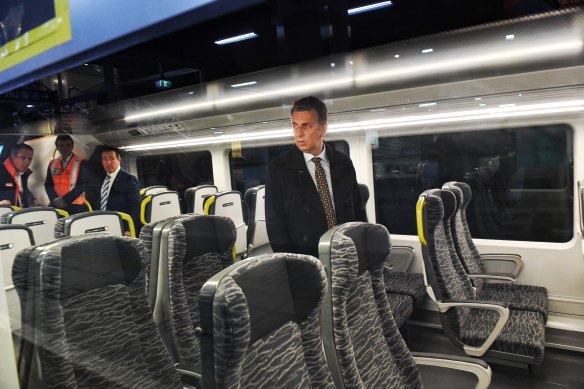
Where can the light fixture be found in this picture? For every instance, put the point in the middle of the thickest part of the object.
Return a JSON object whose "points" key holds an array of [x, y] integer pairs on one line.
{"points": [[244, 84], [426, 51], [370, 7], [426, 104], [238, 38], [509, 37], [396, 56], [387, 123]]}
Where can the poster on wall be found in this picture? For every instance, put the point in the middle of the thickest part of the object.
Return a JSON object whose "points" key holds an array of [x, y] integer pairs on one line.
{"points": [[30, 27]]}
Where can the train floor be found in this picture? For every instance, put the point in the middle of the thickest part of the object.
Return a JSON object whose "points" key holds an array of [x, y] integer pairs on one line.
{"points": [[561, 369]]}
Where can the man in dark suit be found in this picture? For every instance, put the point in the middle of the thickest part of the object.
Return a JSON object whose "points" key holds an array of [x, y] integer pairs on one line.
{"points": [[118, 190], [306, 196]]}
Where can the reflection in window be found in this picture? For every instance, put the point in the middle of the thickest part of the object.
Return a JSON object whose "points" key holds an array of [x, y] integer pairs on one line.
{"points": [[521, 180], [251, 168], [176, 171]]}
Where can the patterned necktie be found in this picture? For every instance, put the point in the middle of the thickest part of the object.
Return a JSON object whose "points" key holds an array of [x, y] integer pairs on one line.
{"points": [[323, 191], [104, 193]]}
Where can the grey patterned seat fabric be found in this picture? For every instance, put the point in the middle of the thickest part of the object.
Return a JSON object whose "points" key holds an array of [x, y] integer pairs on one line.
{"points": [[89, 324], [400, 283], [521, 297], [193, 249], [366, 349], [260, 324], [522, 337]]}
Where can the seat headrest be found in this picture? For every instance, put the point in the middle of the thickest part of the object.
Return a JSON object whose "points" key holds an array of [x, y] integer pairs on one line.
{"points": [[208, 234], [280, 288], [372, 243], [466, 193], [95, 261], [364, 190]]}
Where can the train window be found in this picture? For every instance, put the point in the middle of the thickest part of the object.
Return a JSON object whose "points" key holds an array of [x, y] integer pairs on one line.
{"points": [[521, 180], [250, 169], [176, 171]]}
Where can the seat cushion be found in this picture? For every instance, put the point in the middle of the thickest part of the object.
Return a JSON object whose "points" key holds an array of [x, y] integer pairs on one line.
{"points": [[524, 333], [518, 297], [402, 307], [411, 284]]}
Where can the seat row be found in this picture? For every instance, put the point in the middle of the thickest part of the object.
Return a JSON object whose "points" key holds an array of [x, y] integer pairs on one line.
{"points": [[485, 314], [106, 311]]}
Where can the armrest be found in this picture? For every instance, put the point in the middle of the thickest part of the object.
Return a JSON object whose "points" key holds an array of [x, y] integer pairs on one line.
{"points": [[478, 367], [516, 259], [189, 372], [493, 276], [501, 309]]}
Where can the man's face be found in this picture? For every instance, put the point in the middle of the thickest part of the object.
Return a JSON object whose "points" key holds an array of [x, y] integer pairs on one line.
{"points": [[22, 160], [308, 132], [65, 148], [110, 161]]}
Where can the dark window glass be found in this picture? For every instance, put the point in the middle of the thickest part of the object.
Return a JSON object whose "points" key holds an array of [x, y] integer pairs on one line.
{"points": [[176, 171], [251, 168], [521, 180]]}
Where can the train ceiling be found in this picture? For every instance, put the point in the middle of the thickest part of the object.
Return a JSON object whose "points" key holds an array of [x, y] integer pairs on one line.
{"points": [[287, 31]]}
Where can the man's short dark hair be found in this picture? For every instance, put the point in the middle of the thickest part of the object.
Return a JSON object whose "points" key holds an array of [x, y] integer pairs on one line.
{"points": [[20, 146], [106, 149], [308, 103], [63, 138]]}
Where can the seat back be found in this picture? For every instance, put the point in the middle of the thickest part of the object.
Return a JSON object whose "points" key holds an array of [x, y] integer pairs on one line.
{"points": [[228, 204], [90, 222], [192, 249], [113, 343], [195, 198], [443, 270], [5, 209], [13, 238], [159, 206], [257, 233], [463, 243], [40, 220], [260, 324], [150, 190], [366, 348]]}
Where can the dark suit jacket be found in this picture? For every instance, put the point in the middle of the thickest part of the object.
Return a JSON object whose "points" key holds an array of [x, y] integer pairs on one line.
{"points": [[294, 213], [124, 196], [8, 187]]}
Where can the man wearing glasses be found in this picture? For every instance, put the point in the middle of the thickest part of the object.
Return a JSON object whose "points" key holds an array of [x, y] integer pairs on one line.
{"points": [[14, 173]]}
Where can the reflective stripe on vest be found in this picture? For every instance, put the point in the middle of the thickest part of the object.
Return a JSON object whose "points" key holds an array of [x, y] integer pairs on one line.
{"points": [[64, 183]]}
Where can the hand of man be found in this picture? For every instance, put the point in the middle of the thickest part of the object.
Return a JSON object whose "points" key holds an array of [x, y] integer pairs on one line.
{"points": [[127, 233], [59, 203], [5, 202]]}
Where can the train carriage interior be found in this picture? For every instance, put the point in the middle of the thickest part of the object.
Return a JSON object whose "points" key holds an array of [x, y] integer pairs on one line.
{"points": [[464, 123]]}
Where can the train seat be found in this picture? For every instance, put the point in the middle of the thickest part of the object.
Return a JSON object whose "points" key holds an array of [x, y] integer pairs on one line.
{"points": [[366, 349], [150, 190], [260, 324], [90, 222], [522, 297], [229, 204], [257, 233], [472, 260], [13, 238], [159, 206], [5, 209], [189, 250], [195, 198], [399, 282], [88, 320], [40, 220], [480, 328]]}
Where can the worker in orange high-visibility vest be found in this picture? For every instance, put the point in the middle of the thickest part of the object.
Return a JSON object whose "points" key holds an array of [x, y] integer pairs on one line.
{"points": [[65, 180]]}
